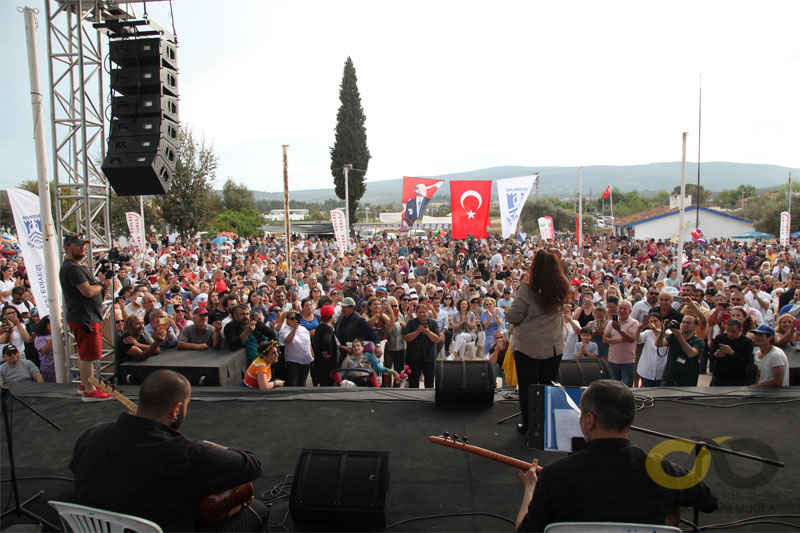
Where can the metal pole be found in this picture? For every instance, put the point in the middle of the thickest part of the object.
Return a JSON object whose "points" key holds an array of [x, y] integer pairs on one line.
{"points": [[144, 231], [789, 195], [680, 218], [536, 174], [287, 237], [699, 122], [580, 209], [48, 228], [347, 168]]}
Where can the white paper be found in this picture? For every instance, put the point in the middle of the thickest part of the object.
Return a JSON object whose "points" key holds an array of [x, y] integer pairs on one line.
{"points": [[567, 426]]}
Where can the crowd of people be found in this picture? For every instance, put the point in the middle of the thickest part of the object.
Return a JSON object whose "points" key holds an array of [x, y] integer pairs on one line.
{"points": [[407, 302]]}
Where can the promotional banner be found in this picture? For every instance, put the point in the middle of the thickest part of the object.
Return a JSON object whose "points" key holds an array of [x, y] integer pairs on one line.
{"points": [[513, 192], [417, 192], [546, 228], [785, 222], [469, 201], [340, 230], [136, 229], [28, 220]]}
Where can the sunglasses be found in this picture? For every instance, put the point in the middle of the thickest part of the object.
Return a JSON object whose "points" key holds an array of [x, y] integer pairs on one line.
{"points": [[120, 321]]}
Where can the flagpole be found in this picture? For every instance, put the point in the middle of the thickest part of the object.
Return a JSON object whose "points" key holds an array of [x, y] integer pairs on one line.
{"points": [[680, 217], [580, 208]]}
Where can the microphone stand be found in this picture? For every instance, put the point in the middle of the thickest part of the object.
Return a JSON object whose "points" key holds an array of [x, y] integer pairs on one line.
{"points": [[19, 508], [699, 445]]}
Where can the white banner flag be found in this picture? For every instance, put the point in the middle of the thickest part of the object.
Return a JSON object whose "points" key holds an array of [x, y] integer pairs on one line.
{"points": [[546, 229], [28, 219], [136, 229], [512, 193], [785, 223], [340, 230]]}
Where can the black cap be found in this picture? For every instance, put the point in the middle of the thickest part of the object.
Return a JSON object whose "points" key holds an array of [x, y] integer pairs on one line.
{"points": [[9, 348], [74, 238]]}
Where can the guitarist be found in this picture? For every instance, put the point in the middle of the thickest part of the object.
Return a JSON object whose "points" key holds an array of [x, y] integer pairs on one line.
{"points": [[141, 465], [609, 475]]}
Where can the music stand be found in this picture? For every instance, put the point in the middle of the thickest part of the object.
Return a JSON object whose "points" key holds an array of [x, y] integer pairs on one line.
{"points": [[19, 508]]}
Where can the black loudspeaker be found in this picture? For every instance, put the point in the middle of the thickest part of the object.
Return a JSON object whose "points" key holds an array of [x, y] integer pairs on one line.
{"points": [[464, 382], [143, 133], [581, 372], [335, 489]]}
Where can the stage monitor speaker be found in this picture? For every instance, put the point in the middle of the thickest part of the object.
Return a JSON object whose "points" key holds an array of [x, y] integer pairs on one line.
{"points": [[581, 372], [464, 382], [336, 489]]}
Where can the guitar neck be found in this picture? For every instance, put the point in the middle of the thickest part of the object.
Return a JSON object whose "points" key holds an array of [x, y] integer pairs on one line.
{"points": [[121, 398], [500, 458]]}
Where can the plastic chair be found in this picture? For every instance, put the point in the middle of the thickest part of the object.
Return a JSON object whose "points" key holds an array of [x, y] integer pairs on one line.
{"points": [[608, 527], [82, 519]]}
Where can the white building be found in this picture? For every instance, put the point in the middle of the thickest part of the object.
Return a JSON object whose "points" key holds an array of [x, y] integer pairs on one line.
{"points": [[662, 223], [278, 215]]}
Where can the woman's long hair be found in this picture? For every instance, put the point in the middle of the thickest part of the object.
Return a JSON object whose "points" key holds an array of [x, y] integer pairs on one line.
{"points": [[548, 282]]}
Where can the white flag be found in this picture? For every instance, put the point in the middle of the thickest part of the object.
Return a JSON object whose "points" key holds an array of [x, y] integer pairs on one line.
{"points": [[512, 193], [136, 229], [28, 219], [340, 230], [785, 224]]}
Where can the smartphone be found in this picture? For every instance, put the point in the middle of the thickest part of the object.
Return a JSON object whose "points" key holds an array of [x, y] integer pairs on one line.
{"points": [[615, 318], [724, 304], [171, 310], [163, 323], [248, 283]]}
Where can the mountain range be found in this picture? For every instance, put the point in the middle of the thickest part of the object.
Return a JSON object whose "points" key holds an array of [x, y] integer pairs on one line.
{"points": [[563, 181]]}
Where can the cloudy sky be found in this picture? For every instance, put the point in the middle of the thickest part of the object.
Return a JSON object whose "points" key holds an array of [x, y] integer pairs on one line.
{"points": [[456, 86]]}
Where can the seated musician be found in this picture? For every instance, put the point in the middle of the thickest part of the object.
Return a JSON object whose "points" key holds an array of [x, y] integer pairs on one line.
{"points": [[259, 374], [609, 475], [135, 343], [141, 465]]}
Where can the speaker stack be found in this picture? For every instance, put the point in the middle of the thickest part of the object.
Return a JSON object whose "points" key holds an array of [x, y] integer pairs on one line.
{"points": [[143, 133]]}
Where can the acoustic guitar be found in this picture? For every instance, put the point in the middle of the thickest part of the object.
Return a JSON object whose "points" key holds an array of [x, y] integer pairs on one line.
{"points": [[673, 518], [213, 508]]}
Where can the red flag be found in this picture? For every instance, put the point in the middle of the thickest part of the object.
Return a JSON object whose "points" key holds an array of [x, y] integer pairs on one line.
{"points": [[608, 192], [469, 201], [416, 194]]}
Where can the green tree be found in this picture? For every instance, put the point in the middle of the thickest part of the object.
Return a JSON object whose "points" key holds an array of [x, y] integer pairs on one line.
{"points": [[350, 145], [731, 198], [237, 196], [563, 217], [244, 222], [189, 205], [123, 204]]}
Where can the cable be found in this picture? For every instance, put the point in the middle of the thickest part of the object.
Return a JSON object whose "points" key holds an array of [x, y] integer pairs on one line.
{"points": [[28, 478], [172, 16], [278, 492], [740, 404], [449, 515]]}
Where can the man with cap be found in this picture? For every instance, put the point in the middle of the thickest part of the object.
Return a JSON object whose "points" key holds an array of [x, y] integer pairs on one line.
{"points": [[83, 296], [351, 326], [352, 291], [771, 361], [15, 369], [198, 336]]}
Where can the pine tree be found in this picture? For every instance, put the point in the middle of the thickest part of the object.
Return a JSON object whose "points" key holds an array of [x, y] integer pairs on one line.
{"points": [[350, 146]]}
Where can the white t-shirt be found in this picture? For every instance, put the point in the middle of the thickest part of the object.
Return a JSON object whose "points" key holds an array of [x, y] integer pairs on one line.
{"points": [[775, 357], [6, 286], [653, 359], [573, 342]]}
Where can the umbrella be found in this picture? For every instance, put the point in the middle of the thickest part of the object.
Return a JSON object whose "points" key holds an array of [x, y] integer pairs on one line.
{"points": [[754, 235], [795, 235], [221, 240]]}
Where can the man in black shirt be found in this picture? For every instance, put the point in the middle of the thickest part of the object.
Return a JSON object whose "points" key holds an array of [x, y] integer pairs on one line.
{"points": [[141, 465], [610, 474], [733, 355], [422, 336]]}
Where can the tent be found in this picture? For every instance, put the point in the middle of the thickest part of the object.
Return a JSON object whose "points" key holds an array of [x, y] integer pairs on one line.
{"points": [[754, 235]]}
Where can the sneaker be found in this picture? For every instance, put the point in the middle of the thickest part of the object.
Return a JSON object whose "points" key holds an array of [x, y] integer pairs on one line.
{"points": [[95, 396], [81, 389], [451, 357]]}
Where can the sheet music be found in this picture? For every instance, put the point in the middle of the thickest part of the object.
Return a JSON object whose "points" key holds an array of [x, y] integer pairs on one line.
{"points": [[567, 426]]}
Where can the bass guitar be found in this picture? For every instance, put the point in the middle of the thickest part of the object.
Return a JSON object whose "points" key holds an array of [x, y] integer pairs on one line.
{"points": [[213, 508], [452, 442]]}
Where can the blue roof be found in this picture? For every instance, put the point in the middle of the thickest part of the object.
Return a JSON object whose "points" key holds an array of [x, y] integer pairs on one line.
{"points": [[690, 208]]}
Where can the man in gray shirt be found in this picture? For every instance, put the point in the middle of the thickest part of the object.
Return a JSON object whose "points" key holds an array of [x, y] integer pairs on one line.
{"points": [[16, 369], [199, 336]]}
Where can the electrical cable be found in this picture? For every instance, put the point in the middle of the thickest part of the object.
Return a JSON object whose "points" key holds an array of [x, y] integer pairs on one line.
{"points": [[449, 515], [740, 404], [29, 478], [278, 492]]}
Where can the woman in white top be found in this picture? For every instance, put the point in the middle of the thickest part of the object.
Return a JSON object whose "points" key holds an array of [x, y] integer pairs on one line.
{"points": [[653, 359], [299, 354]]}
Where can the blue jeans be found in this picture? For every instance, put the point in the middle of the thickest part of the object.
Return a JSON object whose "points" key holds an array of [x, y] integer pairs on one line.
{"points": [[650, 382], [497, 371], [622, 372]]}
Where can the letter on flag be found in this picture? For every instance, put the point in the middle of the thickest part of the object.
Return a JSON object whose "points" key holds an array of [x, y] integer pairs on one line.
{"points": [[607, 193], [417, 192], [469, 201], [513, 192], [136, 229], [28, 220], [339, 230]]}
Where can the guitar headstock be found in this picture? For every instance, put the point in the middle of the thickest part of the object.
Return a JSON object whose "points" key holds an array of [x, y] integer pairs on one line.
{"points": [[449, 440]]}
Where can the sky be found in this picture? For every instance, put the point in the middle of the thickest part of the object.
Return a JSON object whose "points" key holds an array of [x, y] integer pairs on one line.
{"points": [[453, 86]]}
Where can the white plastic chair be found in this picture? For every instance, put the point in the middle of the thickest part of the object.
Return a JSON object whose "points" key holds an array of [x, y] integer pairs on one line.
{"points": [[82, 519], [608, 527]]}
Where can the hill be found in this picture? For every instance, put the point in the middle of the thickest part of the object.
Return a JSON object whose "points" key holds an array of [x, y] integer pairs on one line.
{"points": [[563, 181]]}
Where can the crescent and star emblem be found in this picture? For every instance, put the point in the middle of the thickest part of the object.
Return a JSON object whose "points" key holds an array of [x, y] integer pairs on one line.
{"points": [[467, 194]]}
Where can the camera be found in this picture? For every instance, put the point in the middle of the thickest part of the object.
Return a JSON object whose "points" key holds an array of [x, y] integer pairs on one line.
{"points": [[672, 324]]}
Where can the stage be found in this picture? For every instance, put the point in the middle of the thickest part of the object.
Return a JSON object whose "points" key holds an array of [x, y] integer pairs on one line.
{"points": [[448, 489]]}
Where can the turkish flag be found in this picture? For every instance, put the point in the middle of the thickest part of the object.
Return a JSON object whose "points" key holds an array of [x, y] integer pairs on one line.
{"points": [[469, 201], [608, 192]]}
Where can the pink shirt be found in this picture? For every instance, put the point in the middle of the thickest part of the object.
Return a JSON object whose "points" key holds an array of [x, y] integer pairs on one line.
{"points": [[622, 352]]}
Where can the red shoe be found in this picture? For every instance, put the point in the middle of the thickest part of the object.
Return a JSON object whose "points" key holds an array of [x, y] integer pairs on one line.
{"points": [[81, 388], [95, 396]]}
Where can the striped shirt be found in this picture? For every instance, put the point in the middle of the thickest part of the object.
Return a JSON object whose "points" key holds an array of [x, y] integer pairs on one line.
{"points": [[258, 366]]}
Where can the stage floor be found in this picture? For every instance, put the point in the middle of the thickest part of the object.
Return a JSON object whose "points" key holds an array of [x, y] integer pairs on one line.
{"points": [[426, 480]]}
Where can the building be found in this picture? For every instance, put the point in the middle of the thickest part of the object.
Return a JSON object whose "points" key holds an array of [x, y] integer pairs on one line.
{"points": [[661, 223], [278, 215]]}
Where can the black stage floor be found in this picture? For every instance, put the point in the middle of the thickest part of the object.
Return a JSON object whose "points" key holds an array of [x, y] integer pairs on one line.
{"points": [[426, 480]]}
